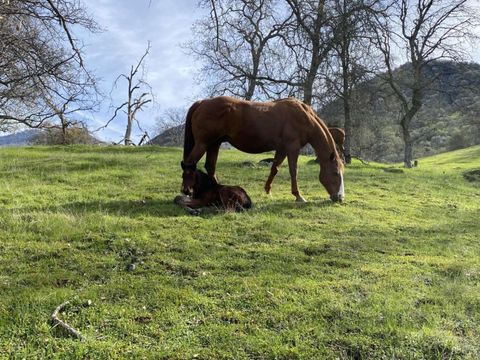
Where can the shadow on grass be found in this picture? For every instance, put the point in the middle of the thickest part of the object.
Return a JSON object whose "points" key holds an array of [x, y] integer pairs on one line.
{"points": [[280, 207], [130, 208]]}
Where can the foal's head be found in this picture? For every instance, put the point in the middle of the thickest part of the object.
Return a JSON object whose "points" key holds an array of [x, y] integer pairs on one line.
{"points": [[188, 177], [196, 181]]}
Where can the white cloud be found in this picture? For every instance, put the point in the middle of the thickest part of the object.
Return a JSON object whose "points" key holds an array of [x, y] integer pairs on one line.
{"points": [[129, 26]]}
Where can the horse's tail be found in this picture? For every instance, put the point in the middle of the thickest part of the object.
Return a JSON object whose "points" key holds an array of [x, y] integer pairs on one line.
{"points": [[189, 140]]}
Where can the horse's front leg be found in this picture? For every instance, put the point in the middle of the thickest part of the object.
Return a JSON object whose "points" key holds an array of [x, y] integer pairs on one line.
{"points": [[211, 161], [196, 154], [191, 206], [292, 165], [277, 161], [184, 200]]}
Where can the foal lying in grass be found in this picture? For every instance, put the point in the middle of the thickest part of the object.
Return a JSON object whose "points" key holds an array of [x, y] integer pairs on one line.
{"points": [[207, 195]]}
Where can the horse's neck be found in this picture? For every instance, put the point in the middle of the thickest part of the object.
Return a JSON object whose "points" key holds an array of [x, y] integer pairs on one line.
{"points": [[321, 142]]}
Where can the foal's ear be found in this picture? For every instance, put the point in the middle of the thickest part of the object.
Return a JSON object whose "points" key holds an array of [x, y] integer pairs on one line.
{"points": [[182, 164]]}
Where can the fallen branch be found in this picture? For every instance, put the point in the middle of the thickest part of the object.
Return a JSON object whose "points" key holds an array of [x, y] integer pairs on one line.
{"points": [[364, 162], [57, 322]]}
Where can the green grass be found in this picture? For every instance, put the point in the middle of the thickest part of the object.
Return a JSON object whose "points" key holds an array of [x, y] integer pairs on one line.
{"points": [[392, 273]]}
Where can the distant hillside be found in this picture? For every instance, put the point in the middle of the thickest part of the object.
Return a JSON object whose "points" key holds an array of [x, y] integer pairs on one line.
{"points": [[48, 137], [169, 137], [174, 137], [449, 119], [18, 139]]}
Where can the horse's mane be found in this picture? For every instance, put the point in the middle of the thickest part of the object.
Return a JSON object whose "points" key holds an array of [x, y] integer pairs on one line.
{"points": [[323, 127]]}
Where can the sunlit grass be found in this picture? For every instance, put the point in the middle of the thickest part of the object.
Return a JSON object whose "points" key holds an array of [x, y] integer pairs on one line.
{"points": [[393, 272]]}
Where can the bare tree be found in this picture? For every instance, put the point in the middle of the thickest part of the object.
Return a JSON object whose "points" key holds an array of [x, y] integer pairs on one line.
{"points": [[311, 40], [41, 63], [238, 45], [425, 31], [139, 94], [354, 57]]}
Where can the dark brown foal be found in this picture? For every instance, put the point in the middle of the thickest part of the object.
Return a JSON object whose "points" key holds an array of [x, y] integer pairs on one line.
{"points": [[207, 194]]}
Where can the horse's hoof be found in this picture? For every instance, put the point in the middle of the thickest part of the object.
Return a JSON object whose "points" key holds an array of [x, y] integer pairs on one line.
{"points": [[301, 200]]}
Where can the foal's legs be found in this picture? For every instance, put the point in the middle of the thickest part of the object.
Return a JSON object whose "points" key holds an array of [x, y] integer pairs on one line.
{"points": [[292, 166], [277, 161], [211, 161]]}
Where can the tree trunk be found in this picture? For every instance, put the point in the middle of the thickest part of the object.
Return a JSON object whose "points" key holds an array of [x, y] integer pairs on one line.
{"points": [[407, 139], [345, 56], [128, 133], [348, 130], [408, 155], [312, 74], [252, 81], [417, 101]]}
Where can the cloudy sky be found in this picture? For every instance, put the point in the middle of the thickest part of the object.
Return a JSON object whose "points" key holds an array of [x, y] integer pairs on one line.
{"points": [[129, 25]]}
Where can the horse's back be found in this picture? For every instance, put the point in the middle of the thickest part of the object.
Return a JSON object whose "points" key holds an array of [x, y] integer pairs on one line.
{"points": [[253, 127], [234, 197]]}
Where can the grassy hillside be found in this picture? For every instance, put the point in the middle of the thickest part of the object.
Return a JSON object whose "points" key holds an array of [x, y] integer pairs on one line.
{"points": [[394, 272]]}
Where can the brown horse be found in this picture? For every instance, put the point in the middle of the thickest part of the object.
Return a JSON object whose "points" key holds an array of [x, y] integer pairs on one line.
{"points": [[207, 192], [284, 126], [338, 135]]}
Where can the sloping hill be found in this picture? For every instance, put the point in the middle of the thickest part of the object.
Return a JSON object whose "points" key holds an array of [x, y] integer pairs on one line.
{"points": [[448, 120], [169, 137], [392, 273], [17, 139]]}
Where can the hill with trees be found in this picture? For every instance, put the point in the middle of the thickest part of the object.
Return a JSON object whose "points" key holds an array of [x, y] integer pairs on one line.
{"points": [[448, 120]]}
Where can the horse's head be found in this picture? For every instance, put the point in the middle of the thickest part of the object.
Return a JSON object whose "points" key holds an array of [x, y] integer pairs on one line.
{"points": [[188, 177], [331, 177]]}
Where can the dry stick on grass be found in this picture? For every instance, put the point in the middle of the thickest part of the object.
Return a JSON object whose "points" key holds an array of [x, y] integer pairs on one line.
{"points": [[57, 322], [364, 162]]}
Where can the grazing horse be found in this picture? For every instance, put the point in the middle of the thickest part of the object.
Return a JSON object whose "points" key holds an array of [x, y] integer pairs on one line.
{"points": [[338, 135], [254, 127], [207, 192]]}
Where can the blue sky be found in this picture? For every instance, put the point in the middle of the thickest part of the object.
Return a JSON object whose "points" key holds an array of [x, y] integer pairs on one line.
{"points": [[128, 26]]}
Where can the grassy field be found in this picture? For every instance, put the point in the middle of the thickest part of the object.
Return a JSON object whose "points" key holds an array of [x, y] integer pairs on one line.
{"points": [[392, 273]]}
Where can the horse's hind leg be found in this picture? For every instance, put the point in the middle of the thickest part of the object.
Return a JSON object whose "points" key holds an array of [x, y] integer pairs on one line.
{"points": [[211, 161], [277, 161], [292, 165]]}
